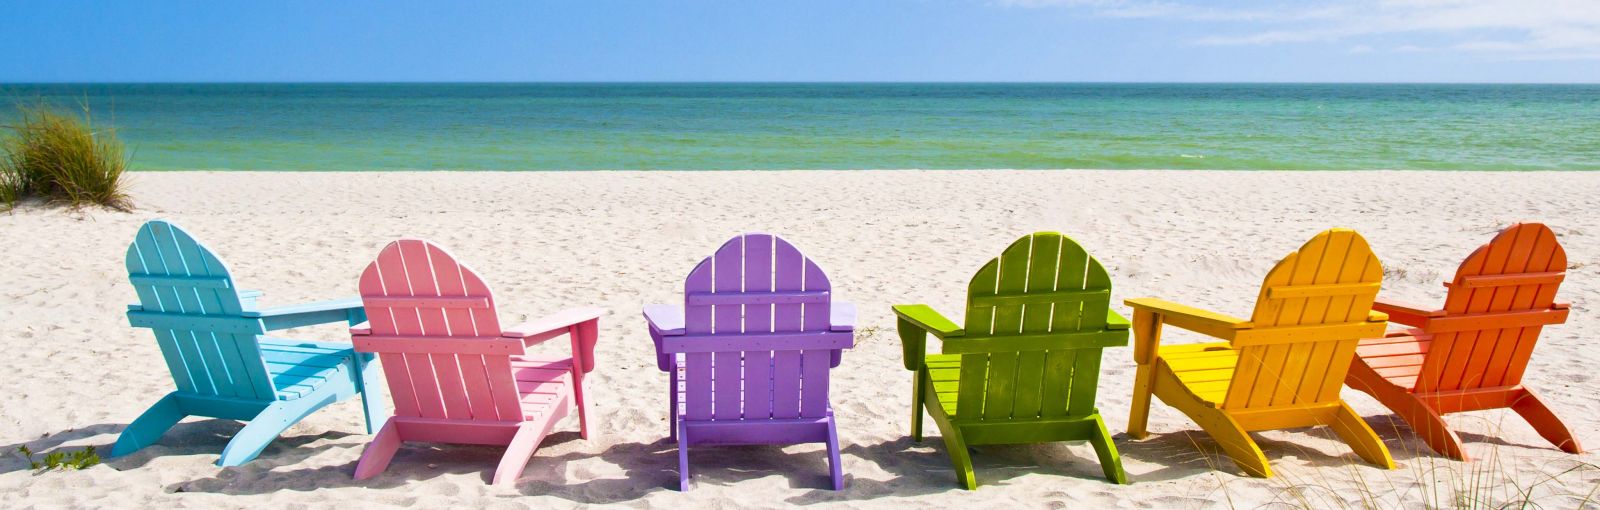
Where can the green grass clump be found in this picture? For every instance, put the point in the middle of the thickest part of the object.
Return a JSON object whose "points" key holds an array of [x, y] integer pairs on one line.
{"points": [[60, 158], [61, 460]]}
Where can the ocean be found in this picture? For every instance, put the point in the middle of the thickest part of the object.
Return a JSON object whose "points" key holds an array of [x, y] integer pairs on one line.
{"points": [[715, 126]]}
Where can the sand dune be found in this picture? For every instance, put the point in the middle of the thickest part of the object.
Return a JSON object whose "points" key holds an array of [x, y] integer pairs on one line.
{"points": [[619, 240]]}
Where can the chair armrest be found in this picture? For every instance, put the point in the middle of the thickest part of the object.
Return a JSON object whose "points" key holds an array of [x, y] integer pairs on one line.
{"points": [[1149, 314], [362, 329], [552, 325], [842, 316], [666, 319], [914, 324], [1406, 313], [1193, 319], [284, 317], [1115, 320]]}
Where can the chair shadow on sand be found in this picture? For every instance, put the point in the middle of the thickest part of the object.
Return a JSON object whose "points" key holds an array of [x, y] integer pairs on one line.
{"points": [[199, 437], [913, 468]]}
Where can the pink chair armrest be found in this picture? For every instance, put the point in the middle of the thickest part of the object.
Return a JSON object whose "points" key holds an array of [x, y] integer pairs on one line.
{"points": [[362, 329], [552, 325]]}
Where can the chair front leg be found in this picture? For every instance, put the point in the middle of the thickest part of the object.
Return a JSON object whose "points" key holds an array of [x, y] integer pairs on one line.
{"points": [[1146, 342]]}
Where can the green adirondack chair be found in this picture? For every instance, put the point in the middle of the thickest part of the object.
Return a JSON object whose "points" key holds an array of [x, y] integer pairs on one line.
{"points": [[1026, 367]]}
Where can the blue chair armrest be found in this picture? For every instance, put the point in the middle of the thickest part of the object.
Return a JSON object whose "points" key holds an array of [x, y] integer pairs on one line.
{"points": [[347, 310]]}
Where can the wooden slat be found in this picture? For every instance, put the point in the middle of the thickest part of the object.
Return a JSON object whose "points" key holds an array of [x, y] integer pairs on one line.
{"points": [[972, 385], [728, 320], [788, 269], [804, 340], [1043, 262], [1041, 298], [814, 365], [758, 319], [1324, 290], [202, 281], [429, 302], [757, 298], [1000, 395], [1512, 280]]}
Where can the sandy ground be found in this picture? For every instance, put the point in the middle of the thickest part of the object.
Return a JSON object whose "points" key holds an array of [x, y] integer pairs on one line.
{"points": [[78, 373]]}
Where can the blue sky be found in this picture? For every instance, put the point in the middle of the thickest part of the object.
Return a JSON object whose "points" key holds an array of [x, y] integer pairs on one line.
{"points": [[801, 40]]}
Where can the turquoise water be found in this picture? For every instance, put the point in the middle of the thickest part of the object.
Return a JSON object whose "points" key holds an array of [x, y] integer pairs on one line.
{"points": [[841, 126]]}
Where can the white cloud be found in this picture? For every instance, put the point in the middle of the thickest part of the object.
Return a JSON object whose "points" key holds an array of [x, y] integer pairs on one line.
{"points": [[1516, 29]]}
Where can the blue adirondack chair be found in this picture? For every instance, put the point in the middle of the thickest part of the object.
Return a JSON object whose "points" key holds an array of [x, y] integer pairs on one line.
{"points": [[212, 338]]}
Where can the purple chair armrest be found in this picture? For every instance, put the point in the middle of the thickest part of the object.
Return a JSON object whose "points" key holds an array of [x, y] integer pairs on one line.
{"points": [[664, 320]]}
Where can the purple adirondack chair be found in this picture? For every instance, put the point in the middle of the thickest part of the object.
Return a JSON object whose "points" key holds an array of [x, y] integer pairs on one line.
{"points": [[750, 350]]}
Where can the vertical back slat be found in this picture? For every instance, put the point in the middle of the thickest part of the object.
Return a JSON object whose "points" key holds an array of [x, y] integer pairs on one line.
{"points": [[447, 376], [727, 376], [1298, 367], [386, 276], [758, 319], [459, 322], [999, 398], [199, 348], [814, 364], [222, 349], [1043, 262], [973, 384], [788, 268], [143, 259], [424, 381], [697, 319]]}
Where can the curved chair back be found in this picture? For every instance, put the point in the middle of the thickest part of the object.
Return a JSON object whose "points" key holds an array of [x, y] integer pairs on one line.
{"points": [[757, 318], [1309, 316], [433, 324], [188, 298], [1502, 296], [1035, 327]]}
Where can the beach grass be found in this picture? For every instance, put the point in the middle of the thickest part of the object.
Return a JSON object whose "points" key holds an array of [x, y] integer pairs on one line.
{"points": [[61, 158], [1428, 481]]}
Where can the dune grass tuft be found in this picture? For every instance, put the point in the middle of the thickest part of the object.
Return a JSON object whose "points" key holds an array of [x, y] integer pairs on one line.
{"points": [[61, 158]]}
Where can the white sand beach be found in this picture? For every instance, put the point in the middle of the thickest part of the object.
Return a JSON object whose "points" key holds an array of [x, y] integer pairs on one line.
{"points": [[618, 240]]}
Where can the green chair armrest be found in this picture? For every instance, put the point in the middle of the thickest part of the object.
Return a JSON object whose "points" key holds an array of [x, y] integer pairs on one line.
{"points": [[1115, 320], [914, 323]]}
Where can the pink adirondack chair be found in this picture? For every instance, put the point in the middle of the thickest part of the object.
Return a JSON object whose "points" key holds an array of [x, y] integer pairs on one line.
{"points": [[751, 350], [455, 375]]}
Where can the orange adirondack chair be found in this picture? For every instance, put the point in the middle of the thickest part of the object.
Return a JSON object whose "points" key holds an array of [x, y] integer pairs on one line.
{"points": [[1281, 369], [1471, 354]]}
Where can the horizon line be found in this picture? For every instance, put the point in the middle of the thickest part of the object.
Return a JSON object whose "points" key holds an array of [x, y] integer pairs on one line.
{"points": [[783, 82]]}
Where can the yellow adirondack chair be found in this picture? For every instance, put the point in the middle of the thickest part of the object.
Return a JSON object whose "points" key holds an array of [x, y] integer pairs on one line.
{"points": [[1281, 369]]}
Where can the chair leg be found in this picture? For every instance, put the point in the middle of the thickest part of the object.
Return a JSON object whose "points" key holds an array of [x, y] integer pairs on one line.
{"points": [[683, 458], [954, 444], [917, 389], [517, 453], [960, 459], [1110, 461], [835, 467], [1423, 420], [368, 382], [577, 400], [149, 426], [267, 426], [1430, 425], [672, 410], [1360, 436], [1234, 440], [379, 452], [1545, 422], [1139, 411]]}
